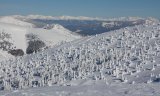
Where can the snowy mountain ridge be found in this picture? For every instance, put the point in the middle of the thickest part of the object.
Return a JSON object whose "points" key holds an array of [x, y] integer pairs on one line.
{"points": [[16, 34], [75, 18], [14, 21]]}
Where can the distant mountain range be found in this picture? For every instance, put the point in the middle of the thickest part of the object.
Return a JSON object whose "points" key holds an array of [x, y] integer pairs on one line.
{"points": [[83, 25]]}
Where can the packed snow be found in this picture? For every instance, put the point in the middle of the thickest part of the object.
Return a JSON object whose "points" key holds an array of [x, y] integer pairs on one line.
{"points": [[99, 89]]}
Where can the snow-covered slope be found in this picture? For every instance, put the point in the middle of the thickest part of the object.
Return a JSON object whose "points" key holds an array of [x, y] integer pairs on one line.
{"points": [[92, 90], [17, 35], [54, 35], [129, 55], [123, 62], [19, 30], [12, 20]]}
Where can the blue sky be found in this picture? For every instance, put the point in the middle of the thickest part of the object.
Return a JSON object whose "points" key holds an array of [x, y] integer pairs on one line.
{"points": [[93, 8]]}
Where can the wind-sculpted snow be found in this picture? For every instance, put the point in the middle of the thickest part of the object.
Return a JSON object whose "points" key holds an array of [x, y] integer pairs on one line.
{"points": [[130, 55]]}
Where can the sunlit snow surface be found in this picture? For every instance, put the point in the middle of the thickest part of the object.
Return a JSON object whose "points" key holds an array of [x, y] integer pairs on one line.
{"points": [[90, 90]]}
